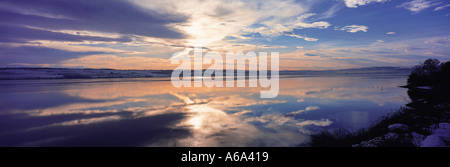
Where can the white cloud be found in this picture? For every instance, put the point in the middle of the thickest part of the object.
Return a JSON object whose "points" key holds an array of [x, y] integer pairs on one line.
{"points": [[354, 28], [356, 3], [295, 35], [277, 119], [441, 7], [417, 6], [331, 12], [302, 24], [310, 108], [325, 122], [275, 30], [214, 20], [390, 33], [280, 120], [311, 39], [387, 53], [302, 37], [271, 46], [319, 24], [271, 29]]}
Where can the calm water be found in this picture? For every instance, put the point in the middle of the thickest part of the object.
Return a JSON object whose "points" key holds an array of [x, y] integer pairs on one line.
{"points": [[148, 112]]}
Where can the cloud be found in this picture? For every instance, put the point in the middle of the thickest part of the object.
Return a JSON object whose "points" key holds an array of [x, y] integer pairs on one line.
{"points": [[331, 12], [307, 54], [302, 24], [302, 37], [417, 6], [117, 62], [271, 46], [311, 39], [323, 122], [212, 21], [354, 28], [52, 31], [274, 120], [287, 27], [18, 34], [148, 28], [319, 24], [441, 7], [37, 55], [116, 16], [387, 53], [356, 3], [55, 31], [310, 108]]}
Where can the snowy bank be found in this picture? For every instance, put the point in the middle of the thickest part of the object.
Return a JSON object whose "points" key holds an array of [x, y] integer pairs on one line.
{"points": [[440, 137], [64, 73]]}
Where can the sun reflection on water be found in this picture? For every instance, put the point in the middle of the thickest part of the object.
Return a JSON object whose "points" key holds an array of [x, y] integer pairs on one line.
{"points": [[199, 116]]}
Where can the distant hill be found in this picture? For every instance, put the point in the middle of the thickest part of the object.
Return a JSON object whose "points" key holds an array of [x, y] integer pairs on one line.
{"points": [[353, 71], [69, 73]]}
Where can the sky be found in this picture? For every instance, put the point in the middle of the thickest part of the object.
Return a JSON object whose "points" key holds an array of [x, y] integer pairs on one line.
{"points": [[145, 34]]}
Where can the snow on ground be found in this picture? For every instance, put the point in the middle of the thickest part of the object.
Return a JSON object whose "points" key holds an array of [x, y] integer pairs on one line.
{"points": [[439, 137], [395, 127], [62, 73], [66, 73]]}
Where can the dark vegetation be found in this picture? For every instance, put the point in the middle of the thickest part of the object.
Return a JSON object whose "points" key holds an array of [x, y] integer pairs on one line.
{"points": [[429, 93]]}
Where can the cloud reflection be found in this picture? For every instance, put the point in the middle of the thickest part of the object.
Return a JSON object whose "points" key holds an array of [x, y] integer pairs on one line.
{"points": [[81, 108], [198, 116]]}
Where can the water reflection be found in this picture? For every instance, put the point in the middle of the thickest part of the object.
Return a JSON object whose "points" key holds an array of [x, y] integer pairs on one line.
{"points": [[146, 112]]}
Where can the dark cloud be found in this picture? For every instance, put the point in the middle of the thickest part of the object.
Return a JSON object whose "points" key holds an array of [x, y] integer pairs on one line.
{"points": [[308, 54], [366, 51], [221, 11], [114, 16], [37, 55], [19, 34], [24, 21]]}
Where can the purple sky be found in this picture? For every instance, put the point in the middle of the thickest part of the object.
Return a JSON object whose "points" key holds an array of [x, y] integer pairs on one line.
{"points": [[143, 34]]}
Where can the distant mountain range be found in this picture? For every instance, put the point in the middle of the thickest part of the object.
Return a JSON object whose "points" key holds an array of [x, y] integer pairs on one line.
{"points": [[353, 71], [69, 73]]}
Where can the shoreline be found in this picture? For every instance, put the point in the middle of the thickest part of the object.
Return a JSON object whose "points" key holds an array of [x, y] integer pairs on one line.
{"points": [[66, 73]]}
